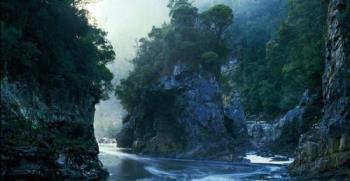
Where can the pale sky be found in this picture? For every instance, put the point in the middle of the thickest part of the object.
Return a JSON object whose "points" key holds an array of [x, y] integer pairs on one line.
{"points": [[125, 21]]}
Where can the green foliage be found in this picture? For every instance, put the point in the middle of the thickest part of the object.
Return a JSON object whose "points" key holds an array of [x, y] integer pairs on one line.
{"points": [[300, 45], [183, 15], [187, 40], [252, 32], [52, 43], [218, 19], [276, 67]]}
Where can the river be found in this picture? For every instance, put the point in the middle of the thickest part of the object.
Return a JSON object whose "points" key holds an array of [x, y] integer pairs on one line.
{"points": [[123, 166]]}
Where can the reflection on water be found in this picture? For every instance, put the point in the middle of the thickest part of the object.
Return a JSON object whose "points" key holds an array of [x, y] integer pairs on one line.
{"points": [[128, 167]]}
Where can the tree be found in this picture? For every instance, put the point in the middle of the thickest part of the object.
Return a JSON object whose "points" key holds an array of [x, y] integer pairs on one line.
{"points": [[184, 15], [52, 43], [218, 19]]}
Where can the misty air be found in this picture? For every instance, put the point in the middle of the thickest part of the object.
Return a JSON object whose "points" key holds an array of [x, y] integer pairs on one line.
{"points": [[175, 90]]}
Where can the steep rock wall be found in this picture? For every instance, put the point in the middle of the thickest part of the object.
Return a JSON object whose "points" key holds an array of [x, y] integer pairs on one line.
{"points": [[47, 134], [325, 150]]}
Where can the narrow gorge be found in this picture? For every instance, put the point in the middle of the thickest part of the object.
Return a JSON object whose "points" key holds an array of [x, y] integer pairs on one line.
{"points": [[218, 90], [189, 114]]}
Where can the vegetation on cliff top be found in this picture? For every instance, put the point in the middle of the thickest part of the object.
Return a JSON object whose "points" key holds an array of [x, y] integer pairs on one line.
{"points": [[192, 38]]}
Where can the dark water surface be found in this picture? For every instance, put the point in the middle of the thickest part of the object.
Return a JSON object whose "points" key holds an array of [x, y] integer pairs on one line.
{"points": [[129, 167]]}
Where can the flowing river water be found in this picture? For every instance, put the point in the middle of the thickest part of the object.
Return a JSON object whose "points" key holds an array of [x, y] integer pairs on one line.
{"points": [[123, 166]]}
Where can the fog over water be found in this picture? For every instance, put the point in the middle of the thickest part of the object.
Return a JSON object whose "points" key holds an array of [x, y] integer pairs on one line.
{"points": [[126, 21]]}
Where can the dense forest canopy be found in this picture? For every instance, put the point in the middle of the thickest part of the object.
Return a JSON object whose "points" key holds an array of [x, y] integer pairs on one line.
{"points": [[281, 54], [53, 44]]}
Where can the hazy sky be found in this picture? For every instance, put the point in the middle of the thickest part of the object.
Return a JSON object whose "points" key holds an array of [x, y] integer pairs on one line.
{"points": [[125, 21]]}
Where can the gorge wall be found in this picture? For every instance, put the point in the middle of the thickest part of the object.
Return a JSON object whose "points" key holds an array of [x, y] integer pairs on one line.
{"points": [[324, 151], [53, 70], [47, 134]]}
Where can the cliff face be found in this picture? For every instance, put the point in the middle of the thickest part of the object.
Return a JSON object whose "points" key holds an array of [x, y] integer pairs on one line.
{"points": [[183, 117], [47, 134], [325, 149], [281, 136]]}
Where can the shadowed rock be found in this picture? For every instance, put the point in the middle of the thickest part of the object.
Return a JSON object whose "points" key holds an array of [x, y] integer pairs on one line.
{"points": [[324, 151], [184, 117]]}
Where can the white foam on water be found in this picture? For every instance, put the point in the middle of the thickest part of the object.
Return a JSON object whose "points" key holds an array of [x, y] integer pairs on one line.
{"points": [[111, 149], [253, 158]]}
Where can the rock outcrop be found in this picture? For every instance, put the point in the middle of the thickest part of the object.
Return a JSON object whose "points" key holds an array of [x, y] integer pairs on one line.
{"points": [[260, 133], [324, 151], [47, 134], [235, 121], [182, 116], [281, 136]]}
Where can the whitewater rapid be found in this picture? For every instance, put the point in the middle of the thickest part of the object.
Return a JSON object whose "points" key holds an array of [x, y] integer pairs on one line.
{"points": [[123, 166]]}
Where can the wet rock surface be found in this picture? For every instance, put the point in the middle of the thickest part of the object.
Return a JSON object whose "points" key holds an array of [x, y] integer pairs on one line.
{"points": [[323, 151]]}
